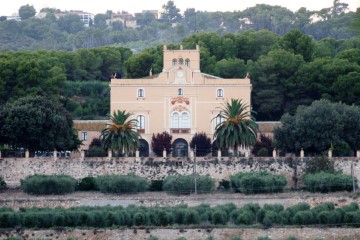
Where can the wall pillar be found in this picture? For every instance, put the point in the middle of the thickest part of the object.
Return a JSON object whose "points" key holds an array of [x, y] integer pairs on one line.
{"points": [[137, 153], [0, 154], [219, 153], [357, 154], [247, 154], [330, 153], [27, 153], [109, 153], [192, 153], [82, 153], [164, 153], [274, 153], [55, 154], [302, 153]]}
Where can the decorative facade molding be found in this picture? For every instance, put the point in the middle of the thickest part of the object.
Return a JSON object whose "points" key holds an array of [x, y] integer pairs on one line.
{"points": [[180, 99], [180, 108]]}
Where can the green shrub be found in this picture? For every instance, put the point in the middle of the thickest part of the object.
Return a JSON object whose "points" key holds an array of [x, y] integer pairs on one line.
{"points": [[48, 184], [87, 184], [292, 238], [303, 218], [342, 149], [219, 217], [225, 184], [319, 164], [191, 217], [263, 182], [271, 218], [121, 184], [350, 207], [139, 219], [264, 238], [96, 152], [156, 185], [329, 217], [298, 208], [185, 184], [328, 182], [2, 183]]}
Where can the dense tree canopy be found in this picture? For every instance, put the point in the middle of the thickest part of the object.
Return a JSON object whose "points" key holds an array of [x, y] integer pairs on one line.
{"points": [[26, 12], [69, 33], [37, 123], [318, 127]]}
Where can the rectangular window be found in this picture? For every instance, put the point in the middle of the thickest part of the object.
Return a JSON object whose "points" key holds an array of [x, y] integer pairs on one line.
{"points": [[84, 136]]}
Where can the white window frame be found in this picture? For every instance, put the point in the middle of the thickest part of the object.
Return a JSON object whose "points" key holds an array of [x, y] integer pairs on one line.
{"points": [[139, 90], [220, 90], [180, 122], [84, 136], [180, 92], [141, 122]]}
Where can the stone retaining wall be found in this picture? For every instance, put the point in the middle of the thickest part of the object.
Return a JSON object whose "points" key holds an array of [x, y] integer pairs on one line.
{"points": [[188, 234], [13, 170]]}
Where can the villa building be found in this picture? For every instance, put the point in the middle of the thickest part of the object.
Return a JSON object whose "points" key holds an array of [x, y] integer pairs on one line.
{"points": [[180, 100]]}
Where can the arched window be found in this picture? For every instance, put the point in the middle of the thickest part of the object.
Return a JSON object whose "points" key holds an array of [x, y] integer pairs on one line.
{"points": [[181, 61], [175, 120], [140, 122], [187, 62], [185, 120], [180, 92], [141, 93], [219, 93], [219, 119], [174, 61]]}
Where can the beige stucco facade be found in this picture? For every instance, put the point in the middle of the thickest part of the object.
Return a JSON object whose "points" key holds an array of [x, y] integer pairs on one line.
{"points": [[180, 100]]}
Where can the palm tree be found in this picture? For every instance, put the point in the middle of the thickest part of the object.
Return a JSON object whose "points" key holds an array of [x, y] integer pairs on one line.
{"points": [[120, 134], [238, 128]]}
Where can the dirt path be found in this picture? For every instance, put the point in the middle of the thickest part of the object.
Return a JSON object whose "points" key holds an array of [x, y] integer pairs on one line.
{"points": [[16, 199]]}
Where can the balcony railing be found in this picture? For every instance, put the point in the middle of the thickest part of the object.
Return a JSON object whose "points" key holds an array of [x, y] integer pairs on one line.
{"points": [[180, 130]]}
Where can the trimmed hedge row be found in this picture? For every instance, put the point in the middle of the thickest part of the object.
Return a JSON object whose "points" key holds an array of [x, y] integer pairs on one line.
{"points": [[262, 182], [121, 184], [48, 184], [132, 216], [328, 182], [185, 184]]}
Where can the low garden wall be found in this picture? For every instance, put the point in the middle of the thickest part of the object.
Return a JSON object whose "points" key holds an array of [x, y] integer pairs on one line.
{"points": [[15, 169]]}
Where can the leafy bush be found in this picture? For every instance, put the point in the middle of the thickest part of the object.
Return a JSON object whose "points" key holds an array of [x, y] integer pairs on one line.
{"points": [[262, 147], [180, 184], [202, 143], [161, 141], [87, 184], [319, 164], [225, 184], [303, 218], [263, 182], [48, 184], [219, 217], [96, 152], [328, 182], [156, 185], [2, 183], [121, 184], [342, 149]]}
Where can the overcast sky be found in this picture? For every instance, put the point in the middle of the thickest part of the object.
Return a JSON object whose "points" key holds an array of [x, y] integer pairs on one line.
{"points": [[93, 6]]}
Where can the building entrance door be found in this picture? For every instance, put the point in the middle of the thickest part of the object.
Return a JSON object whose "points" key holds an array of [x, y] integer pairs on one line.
{"points": [[180, 148]]}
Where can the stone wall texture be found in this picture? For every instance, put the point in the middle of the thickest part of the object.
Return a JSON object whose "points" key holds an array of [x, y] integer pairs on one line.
{"points": [[13, 170]]}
